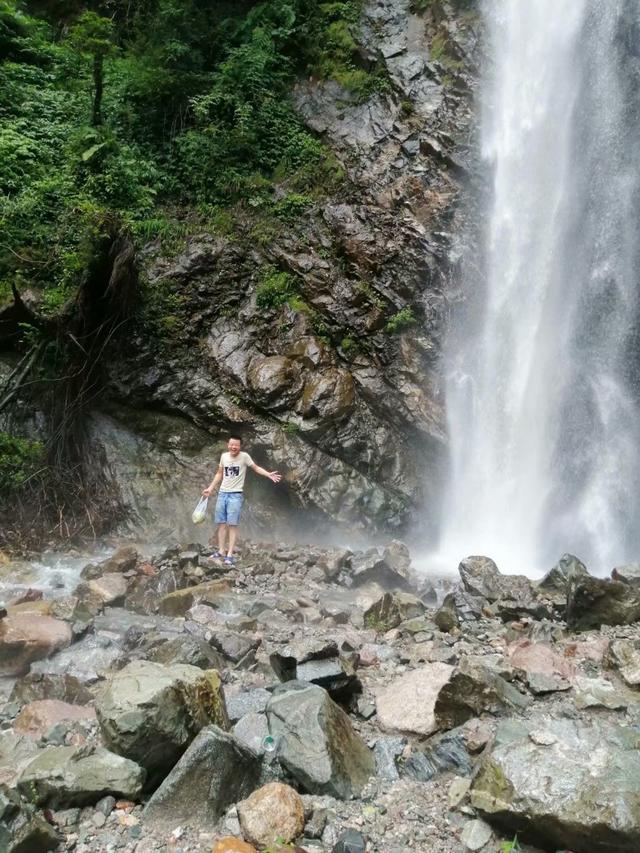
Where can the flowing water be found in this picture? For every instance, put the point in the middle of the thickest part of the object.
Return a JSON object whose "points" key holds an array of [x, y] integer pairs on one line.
{"points": [[543, 360]]}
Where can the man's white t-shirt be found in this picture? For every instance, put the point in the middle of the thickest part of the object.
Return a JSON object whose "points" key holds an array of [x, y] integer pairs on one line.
{"points": [[234, 470]]}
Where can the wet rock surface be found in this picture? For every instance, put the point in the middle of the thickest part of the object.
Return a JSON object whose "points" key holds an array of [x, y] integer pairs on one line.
{"points": [[330, 381], [321, 726]]}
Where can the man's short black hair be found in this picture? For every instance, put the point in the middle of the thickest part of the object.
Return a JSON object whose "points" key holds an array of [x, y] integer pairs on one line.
{"points": [[235, 438]]}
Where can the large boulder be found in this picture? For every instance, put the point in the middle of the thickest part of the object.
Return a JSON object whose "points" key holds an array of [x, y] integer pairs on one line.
{"points": [[556, 582], [216, 771], [540, 665], [151, 713], [407, 704], [273, 813], [123, 560], [27, 637], [474, 688], [391, 609], [371, 565], [567, 784], [317, 661], [592, 602], [64, 776], [317, 743], [511, 596], [480, 576], [106, 590]]}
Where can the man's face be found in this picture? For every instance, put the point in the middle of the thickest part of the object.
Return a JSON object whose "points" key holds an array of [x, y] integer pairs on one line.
{"points": [[234, 446]]}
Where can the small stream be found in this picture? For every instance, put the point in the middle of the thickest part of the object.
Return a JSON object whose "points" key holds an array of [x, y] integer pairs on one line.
{"points": [[56, 573]]}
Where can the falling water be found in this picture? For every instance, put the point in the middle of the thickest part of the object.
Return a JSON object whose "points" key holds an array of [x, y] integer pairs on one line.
{"points": [[543, 362]]}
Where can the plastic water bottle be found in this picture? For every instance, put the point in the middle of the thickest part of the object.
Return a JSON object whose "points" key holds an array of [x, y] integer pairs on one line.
{"points": [[270, 746]]}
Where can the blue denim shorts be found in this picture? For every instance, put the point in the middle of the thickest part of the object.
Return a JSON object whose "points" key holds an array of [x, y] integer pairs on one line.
{"points": [[228, 508]]}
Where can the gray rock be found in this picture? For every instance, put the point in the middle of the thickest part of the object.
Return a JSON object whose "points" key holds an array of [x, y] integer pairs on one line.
{"points": [[188, 558], [63, 776], [447, 752], [472, 690], [106, 805], [557, 580], [43, 685], [396, 555], [350, 841], [476, 834], [314, 826], [567, 784], [245, 702], [480, 576], [592, 602], [189, 650], [16, 751], [387, 751], [540, 683], [391, 609], [151, 713], [216, 771], [514, 595], [315, 660], [370, 566], [318, 744], [600, 693], [86, 662], [252, 730], [446, 617], [21, 829], [231, 645], [624, 655], [627, 574]]}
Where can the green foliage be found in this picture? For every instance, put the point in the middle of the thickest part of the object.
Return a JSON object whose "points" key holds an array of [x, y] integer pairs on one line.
{"points": [[92, 34], [20, 460], [275, 288], [510, 846], [441, 51], [118, 116], [333, 51], [401, 320], [369, 293]]}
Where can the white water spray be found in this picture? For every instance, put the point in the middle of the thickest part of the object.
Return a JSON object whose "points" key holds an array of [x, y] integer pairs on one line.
{"points": [[542, 400]]}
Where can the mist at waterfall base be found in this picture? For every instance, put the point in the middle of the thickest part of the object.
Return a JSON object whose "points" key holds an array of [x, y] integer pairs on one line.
{"points": [[543, 358]]}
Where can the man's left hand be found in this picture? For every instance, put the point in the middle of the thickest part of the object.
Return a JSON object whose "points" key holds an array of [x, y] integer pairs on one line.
{"points": [[274, 476]]}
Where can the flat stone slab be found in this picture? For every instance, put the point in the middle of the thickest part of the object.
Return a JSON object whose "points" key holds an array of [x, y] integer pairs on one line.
{"points": [[408, 703]]}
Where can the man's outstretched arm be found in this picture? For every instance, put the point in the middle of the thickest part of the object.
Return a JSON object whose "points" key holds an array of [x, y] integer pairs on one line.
{"points": [[214, 483], [272, 475]]}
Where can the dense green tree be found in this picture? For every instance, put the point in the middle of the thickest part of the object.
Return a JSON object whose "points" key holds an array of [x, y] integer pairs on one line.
{"points": [[93, 34]]}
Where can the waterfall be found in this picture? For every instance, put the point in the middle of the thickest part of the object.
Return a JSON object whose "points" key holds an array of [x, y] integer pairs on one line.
{"points": [[543, 359]]}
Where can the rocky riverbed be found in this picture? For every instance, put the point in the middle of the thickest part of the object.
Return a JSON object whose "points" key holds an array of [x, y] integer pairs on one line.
{"points": [[321, 700]]}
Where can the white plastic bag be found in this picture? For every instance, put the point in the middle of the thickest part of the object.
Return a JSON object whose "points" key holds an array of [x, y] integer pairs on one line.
{"points": [[200, 512]]}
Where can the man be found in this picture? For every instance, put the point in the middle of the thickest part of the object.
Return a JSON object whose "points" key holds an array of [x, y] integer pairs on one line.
{"points": [[232, 471]]}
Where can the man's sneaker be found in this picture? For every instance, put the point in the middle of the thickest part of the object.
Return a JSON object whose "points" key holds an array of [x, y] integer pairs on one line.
{"points": [[229, 561]]}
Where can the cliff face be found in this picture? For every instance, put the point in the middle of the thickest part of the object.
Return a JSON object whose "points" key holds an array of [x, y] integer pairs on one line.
{"points": [[318, 335]]}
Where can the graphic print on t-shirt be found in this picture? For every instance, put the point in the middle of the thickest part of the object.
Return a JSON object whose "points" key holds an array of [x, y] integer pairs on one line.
{"points": [[235, 469]]}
